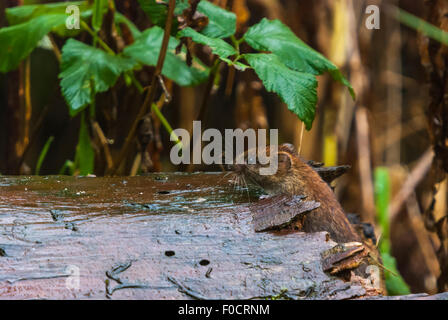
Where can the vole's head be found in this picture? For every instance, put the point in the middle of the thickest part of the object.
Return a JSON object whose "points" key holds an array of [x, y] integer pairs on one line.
{"points": [[270, 169]]}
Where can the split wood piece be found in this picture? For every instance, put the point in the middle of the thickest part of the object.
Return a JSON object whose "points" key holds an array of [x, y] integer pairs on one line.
{"points": [[279, 211]]}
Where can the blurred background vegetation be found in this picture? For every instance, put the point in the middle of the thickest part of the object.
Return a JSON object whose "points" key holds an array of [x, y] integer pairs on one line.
{"points": [[399, 116]]}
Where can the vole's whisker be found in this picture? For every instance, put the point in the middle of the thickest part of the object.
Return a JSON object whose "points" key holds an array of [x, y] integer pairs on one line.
{"points": [[247, 189], [225, 175]]}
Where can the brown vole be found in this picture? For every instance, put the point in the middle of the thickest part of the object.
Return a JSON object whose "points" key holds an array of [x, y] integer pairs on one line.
{"points": [[295, 177]]}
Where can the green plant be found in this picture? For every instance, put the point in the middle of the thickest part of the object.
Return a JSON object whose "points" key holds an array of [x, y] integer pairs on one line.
{"points": [[395, 284], [43, 154], [284, 63]]}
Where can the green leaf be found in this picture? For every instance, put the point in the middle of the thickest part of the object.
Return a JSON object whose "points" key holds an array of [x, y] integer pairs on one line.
{"points": [[222, 23], [68, 165], [119, 18], [420, 25], [21, 14], [274, 36], [97, 17], [395, 283], [146, 50], [218, 46], [85, 155], [157, 12], [296, 89], [43, 154], [382, 200], [17, 42], [81, 64]]}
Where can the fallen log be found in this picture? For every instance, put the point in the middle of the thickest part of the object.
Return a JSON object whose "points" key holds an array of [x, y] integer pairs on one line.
{"points": [[162, 236]]}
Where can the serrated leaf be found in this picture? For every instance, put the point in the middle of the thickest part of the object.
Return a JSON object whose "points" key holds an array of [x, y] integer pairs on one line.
{"points": [[222, 23], [81, 64], [17, 42], [146, 50], [296, 89], [218, 46], [274, 36]]}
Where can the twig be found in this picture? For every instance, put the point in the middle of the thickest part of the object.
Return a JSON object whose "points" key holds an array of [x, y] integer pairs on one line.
{"points": [[33, 135], [55, 48], [136, 164], [152, 92], [208, 89], [28, 104], [365, 168], [414, 178], [418, 225], [205, 100], [302, 130], [165, 90], [104, 143], [230, 81]]}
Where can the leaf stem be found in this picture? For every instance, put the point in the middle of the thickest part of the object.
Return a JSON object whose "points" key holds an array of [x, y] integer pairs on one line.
{"points": [[86, 27], [166, 124], [236, 43], [152, 92], [156, 110]]}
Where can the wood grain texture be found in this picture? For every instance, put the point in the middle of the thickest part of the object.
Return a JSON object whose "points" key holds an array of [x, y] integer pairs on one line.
{"points": [[170, 236]]}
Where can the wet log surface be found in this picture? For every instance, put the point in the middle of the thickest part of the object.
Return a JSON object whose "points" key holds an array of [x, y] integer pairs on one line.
{"points": [[162, 236]]}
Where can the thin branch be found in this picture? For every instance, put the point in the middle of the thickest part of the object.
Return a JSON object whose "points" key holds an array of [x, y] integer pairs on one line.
{"points": [[208, 89], [55, 48], [152, 92], [418, 226], [104, 143], [414, 178], [33, 135], [365, 166], [165, 90], [302, 130]]}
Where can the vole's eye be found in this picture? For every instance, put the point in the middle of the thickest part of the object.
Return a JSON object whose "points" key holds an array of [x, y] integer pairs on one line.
{"points": [[284, 162]]}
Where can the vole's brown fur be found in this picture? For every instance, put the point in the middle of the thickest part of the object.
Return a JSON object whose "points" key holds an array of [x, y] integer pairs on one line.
{"points": [[295, 177]]}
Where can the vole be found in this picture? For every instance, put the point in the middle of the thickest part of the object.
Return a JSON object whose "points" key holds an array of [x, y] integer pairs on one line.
{"points": [[295, 177]]}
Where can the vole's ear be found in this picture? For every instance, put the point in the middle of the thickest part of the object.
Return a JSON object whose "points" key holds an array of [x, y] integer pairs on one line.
{"points": [[288, 147], [284, 162]]}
